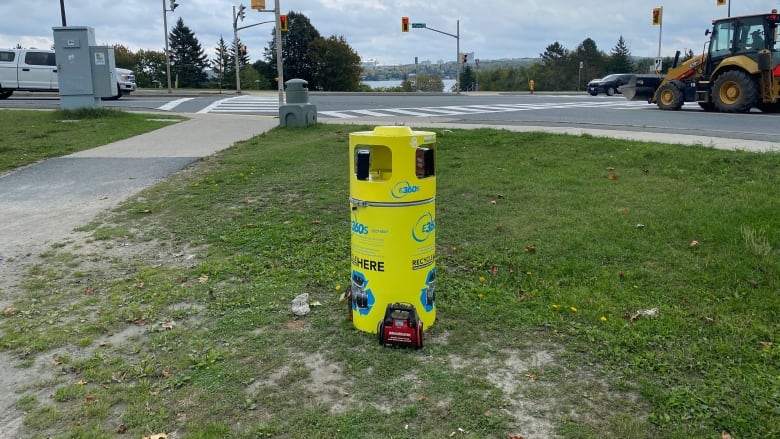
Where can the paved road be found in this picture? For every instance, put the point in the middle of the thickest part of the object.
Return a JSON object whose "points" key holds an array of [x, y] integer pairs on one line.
{"points": [[577, 110]]}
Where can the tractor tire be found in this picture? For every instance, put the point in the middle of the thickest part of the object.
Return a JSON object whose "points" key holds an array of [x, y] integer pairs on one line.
{"points": [[670, 97], [5, 94], [610, 91], [734, 92]]}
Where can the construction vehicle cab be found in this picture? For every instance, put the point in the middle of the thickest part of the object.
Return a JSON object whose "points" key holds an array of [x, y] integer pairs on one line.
{"points": [[739, 70]]}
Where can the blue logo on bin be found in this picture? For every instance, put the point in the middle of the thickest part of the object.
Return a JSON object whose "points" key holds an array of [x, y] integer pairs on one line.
{"points": [[423, 228], [404, 188]]}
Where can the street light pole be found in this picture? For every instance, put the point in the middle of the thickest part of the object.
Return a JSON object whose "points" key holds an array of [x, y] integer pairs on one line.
{"points": [[279, 61], [167, 51], [62, 12], [236, 49], [457, 58]]}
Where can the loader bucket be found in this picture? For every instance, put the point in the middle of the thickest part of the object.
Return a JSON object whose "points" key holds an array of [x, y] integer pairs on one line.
{"points": [[641, 87]]}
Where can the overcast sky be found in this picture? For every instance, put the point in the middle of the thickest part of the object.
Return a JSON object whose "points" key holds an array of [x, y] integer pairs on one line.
{"points": [[492, 29]]}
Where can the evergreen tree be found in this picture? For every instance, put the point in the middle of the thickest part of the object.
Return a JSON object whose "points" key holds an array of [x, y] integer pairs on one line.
{"points": [[221, 62], [467, 79], [593, 61], [295, 49], [554, 60], [620, 58], [188, 59], [335, 66]]}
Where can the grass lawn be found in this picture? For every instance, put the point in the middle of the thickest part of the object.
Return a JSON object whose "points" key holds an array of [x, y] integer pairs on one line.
{"points": [[29, 136], [586, 288]]}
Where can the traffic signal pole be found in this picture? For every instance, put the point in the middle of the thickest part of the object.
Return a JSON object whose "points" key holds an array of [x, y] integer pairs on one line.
{"points": [[279, 61], [457, 49]]}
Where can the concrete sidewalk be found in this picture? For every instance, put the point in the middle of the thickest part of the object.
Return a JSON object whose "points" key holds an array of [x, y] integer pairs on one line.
{"points": [[43, 203]]}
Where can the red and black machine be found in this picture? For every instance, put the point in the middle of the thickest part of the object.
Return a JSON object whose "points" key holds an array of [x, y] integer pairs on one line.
{"points": [[401, 327]]}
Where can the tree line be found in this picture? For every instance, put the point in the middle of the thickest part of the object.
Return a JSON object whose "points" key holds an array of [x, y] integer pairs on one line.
{"points": [[326, 63], [330, 64]]}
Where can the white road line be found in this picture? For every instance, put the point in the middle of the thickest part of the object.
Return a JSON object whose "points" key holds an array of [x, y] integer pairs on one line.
{"points": [[215, 104], [341, 114], [173, 104]]}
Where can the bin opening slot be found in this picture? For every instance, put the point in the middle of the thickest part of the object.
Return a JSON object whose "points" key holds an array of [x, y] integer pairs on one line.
{"points": [[373, 163], [424, 166]]}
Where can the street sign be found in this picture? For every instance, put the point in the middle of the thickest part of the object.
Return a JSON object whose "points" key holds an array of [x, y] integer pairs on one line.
{"points": [[418, 25], [658, 64]]}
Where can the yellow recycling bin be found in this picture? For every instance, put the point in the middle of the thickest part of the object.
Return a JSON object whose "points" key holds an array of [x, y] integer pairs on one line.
{"points": [[392, 195]]}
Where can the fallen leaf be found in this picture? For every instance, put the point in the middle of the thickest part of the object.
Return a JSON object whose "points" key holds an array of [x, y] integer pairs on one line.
{"points": [[89, 291], [203, 278], [613, 176], [765, 344], [81, 383], [493, 270], [140, 285], [156, 436], [89, 398], [55, 362], [492, 202], [10, 311], [693, 244], [531, 377], [640, 226], [166, 373], [168, 324], [725, 435], [530, 249], [118, 377], [145, 211], [516, 436], [121, 429], [317, 222], [648, 313]]}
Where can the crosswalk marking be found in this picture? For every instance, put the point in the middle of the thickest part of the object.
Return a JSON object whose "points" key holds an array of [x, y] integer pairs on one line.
{"points": [[173, 104], [244, 104], [247, 104], [461, 110]]}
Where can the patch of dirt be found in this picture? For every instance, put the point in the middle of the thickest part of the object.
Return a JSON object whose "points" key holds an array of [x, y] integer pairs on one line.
{"points": [[92, 256]]}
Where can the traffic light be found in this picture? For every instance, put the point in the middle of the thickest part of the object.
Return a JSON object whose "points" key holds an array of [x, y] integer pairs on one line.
{"points": [[283, 23], [243, 50], [657, 12], [404, 24], [464, 58], [173, 5], [722, 2], [241, 12], [258, 5]]}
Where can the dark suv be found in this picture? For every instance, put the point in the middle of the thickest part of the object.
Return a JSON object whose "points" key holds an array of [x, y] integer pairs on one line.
{"points": [[609, 84]]}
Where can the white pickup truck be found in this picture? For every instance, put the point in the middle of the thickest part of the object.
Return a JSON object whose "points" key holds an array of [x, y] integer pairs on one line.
{"points": [[36, 70]]}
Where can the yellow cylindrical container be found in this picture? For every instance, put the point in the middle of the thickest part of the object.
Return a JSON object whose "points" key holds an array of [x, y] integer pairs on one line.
{"points": [[392, 198]]}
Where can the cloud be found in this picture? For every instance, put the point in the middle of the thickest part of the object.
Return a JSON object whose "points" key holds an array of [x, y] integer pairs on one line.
{"points": [[493, 29]]}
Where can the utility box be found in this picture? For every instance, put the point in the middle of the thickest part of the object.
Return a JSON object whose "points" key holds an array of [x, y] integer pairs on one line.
{"points": [[103, 67], [297, 111], [393, 245], [85, 72]]}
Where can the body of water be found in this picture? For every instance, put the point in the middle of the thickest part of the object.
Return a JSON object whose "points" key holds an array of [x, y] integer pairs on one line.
{"points": [[448, 84]]}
